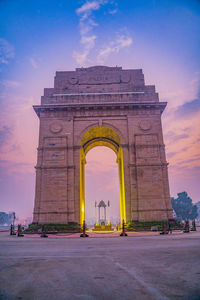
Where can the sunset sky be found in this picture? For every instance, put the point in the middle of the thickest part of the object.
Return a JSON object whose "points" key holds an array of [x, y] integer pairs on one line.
{"points": [[38, 38]]}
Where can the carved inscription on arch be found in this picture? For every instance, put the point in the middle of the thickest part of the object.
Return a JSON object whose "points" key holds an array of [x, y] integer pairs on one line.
{"points": [[99, 78]]}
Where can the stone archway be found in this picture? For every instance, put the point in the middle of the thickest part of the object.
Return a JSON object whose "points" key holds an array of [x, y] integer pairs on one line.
{"points": [[102, 136], [101, 106]]}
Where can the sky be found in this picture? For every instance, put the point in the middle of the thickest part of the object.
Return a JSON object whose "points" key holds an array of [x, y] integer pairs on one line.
{"points": [[38, 38]]}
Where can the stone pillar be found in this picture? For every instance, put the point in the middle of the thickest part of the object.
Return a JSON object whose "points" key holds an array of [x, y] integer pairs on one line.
{"points": [[121, 184], [51, 196], [108, 212], [99, 215], [95, 205]]}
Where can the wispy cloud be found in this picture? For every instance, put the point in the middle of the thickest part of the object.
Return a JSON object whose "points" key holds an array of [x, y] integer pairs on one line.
{"points": [[7, 141], [87, 8], [190, 104], [113, 11], [33, 63], [182, 140], [88, 38], [188, 108], [181, 128], [119, 43], [88, 43], [14, 168], [15, 143], [86, 24], [178, 94], [5, 135], [171, 154], [6, 51], [173, 137], [10, 83]]}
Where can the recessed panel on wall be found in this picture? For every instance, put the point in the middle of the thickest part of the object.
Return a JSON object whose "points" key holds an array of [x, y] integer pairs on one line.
{"points": [[55, 142], [54, 155], [147, 148], [54, 185], [55, 151], [150, 181]]}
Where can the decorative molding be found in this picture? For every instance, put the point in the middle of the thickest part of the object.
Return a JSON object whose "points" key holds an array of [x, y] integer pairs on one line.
{"points": [[145, 125], [56, 127]]}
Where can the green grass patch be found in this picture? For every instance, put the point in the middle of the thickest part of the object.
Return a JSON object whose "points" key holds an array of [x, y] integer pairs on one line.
{"points": [[146, 226], [53, 228]]}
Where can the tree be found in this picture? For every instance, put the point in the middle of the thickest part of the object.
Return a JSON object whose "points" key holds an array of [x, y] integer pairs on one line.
{"points": [[3, 217], [6, 218], [184, 208]]}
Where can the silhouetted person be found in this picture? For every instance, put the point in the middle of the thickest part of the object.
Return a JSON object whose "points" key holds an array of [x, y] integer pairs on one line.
{"points": [[170, 228]]}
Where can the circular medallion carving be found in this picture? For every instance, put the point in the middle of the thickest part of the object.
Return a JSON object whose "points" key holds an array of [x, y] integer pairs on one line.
{"points": [[56, 127], [145, 125], [125, 77], [73, 80]]}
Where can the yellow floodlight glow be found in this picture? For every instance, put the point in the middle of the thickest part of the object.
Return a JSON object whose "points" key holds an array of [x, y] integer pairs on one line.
{"points": [[121, 185], [82, 186], [101, 136]]}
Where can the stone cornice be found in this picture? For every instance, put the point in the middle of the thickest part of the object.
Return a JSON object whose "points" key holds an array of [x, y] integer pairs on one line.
{"points": [[150, 164], [99, 97], [97, 94], [155, 209], [40, 167], [103, 105]]}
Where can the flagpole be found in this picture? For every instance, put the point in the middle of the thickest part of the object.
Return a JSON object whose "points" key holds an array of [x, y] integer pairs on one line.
{"points": [[108, 205], [95, 204]]}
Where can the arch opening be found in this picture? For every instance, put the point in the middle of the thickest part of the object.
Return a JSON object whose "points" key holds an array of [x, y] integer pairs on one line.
{"points": [[101, 184], [102, 136]]}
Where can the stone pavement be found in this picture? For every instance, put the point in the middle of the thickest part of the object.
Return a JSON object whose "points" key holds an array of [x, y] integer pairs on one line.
{"points": [[140, 266]]}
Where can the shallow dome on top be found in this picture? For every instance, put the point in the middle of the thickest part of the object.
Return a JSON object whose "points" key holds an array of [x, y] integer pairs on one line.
{"points": [[101, 204]]}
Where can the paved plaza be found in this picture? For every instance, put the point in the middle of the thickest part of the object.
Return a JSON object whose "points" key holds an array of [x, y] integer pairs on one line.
{"points": [[140, 266]]}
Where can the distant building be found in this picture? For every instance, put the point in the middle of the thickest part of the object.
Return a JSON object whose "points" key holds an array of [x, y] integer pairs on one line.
{"points": [[174, 214], [198, 210]]}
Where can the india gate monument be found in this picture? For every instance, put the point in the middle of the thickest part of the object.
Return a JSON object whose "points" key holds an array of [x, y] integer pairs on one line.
{"points": [[101, 106]]}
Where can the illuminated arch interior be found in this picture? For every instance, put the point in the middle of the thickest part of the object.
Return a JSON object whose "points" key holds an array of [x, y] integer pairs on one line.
{"points": [[101, 136]]}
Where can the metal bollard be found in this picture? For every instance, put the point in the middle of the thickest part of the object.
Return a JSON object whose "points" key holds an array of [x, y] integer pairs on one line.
{"points": [[12, 230], [19, 231], [84, 234], [123, 230], [193, 226], [43, 234], [164, 230], [186, 227]]}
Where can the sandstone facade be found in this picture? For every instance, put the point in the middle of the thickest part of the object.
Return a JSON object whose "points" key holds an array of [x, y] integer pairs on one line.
{"points": [[100, 106]]}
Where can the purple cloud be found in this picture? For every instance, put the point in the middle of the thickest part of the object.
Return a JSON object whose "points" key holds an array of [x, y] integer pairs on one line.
{"points": [[5, 135], [188, 108], [172, 137], [171, 154]]}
